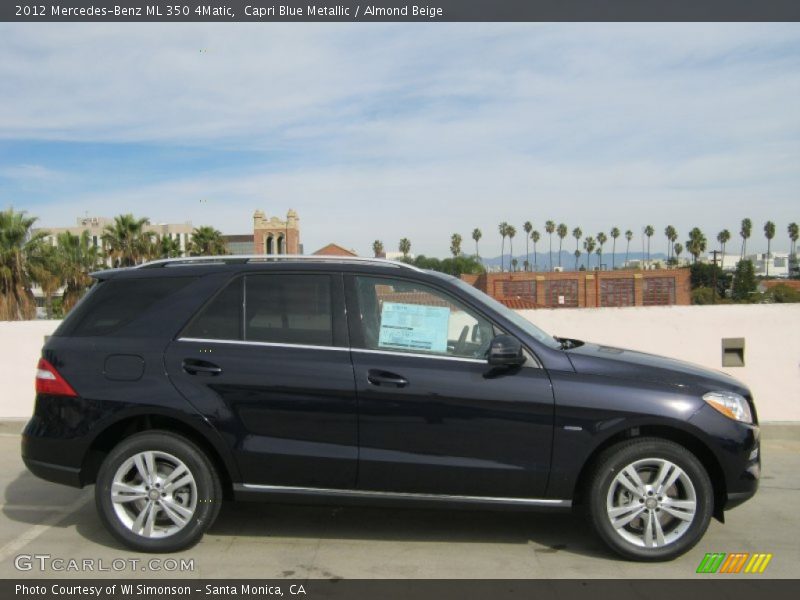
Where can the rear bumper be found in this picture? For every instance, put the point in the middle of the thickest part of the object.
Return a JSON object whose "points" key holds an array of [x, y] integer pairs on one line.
{"points": [[55, 473]]}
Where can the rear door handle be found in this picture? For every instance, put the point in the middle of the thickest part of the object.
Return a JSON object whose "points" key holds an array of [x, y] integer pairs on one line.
{"points": [[196, 367], [386, 378]]}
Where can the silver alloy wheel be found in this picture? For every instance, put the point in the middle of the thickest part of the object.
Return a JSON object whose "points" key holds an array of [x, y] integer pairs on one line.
{"points": [[651, 503], [154, 494]]}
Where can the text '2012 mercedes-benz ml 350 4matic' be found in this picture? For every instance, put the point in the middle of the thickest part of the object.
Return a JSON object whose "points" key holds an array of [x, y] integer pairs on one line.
{"points": [[179, 383]]}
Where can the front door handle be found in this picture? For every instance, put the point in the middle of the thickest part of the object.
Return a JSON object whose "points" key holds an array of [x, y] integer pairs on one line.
{"points": [[197, 367], [386, 378]]}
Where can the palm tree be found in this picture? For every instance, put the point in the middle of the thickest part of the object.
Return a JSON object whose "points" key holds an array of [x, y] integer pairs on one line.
{"points": [[527, 227], [723, 237], [514, 263], [477, 235], [169, 247], [745, 231], [207, 241], [577, 234], [673, 237], [511, 232], [550, 227], [535, 236], [769, 233], [405, 247], [696, 244], [588, 245], [127, 242], [577, 257], [649, 231], [601, 239], [503, 231], [78, 258], [614, 236], [45, 271], [794, 234], [678, 248], [628, 238], [455, 245], [377, 248], [17, 243], [562, 232], [669, 232]]}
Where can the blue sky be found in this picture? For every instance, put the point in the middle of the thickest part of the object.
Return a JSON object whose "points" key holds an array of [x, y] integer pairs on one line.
{"points": [[418, 130]]}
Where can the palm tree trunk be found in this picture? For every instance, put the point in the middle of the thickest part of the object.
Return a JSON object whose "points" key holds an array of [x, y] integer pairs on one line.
{"points": [[627, 249], [613, 254], [766, 262], [551, 253], [560, 241], [502, 254], [527, 254]]}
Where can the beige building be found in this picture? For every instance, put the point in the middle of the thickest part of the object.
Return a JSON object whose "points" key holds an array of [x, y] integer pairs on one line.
{"points": [[96, 226], [276, 236]]}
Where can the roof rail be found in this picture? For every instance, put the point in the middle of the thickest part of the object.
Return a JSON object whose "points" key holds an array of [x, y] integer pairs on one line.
{"points": [[256, 258]]}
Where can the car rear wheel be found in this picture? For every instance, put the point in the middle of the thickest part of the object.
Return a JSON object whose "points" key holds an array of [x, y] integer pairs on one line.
{"points": [[157, 492], [650, 499]]}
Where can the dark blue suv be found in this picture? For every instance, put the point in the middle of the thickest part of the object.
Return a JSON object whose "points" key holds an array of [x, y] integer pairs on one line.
{"points": [[180, 383]]}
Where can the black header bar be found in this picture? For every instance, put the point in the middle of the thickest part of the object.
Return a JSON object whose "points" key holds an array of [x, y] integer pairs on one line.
{"points": [[398, 10]]}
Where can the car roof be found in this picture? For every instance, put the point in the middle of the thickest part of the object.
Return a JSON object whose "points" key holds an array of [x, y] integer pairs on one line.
{"points": [[199, 265]]}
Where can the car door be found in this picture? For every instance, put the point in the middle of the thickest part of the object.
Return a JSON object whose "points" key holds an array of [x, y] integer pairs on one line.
{"points": [[266, 361], [433, 417]]}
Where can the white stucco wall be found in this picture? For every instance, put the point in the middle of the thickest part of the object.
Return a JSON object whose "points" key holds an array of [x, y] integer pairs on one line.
{"points": [[693, 333], [20, 347]]}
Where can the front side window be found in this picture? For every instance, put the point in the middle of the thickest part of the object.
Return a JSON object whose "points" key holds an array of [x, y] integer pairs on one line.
{"points": [[288, 309], [403, 316]]}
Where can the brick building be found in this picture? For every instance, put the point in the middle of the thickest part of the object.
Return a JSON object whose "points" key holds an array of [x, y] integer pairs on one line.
{"points": [[585, 289], [334, 250]]}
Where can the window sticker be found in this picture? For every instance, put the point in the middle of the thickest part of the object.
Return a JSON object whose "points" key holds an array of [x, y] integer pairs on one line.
{"points": [[414, 327]]}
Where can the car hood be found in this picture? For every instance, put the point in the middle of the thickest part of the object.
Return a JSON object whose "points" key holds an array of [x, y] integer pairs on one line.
{"points": [[596, 359]]}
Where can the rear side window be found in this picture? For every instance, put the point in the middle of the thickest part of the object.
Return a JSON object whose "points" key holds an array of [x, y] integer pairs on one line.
{"points": [[221, 319], [289, 309], [115, 303]]}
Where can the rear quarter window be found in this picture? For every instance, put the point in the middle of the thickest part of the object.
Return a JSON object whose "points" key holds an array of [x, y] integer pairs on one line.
{"points": [[113, 304]]}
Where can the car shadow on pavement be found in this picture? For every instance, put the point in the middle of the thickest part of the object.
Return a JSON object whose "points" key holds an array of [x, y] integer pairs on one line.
{"points": [[31, 500]]}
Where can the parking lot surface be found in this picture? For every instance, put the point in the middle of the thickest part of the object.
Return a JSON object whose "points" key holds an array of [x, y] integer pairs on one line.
{"points": [[300, 542]]}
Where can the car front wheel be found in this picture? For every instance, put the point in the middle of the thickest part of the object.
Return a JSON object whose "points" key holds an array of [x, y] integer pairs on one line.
{"points": [[157, 492], [650, 499]]}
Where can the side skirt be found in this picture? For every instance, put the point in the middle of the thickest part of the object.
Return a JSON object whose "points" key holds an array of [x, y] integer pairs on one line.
{"points": [[304, 495]]}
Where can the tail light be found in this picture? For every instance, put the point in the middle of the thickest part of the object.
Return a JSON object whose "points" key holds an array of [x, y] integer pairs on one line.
{"points": [[49, 381]]}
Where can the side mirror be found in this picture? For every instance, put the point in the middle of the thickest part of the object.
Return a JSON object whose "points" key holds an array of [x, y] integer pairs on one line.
{"points": [[506, 351]]}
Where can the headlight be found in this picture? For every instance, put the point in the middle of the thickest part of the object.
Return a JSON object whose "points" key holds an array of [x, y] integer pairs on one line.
{"points": [[731, 405]]}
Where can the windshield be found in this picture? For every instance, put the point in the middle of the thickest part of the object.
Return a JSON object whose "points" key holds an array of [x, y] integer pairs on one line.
{"points": [[513, 316]]}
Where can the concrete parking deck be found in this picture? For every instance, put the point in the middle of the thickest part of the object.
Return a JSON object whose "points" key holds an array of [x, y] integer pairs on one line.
{"points": [[298, 542]]}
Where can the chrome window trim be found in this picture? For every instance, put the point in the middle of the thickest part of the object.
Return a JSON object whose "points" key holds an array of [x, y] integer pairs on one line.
{"points": [[266, 344], [336, 348], [419, 355], [255, 487]]}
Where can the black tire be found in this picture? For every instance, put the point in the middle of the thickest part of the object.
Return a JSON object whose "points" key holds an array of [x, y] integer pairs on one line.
{"points": [[206, 480], [609, 465]]}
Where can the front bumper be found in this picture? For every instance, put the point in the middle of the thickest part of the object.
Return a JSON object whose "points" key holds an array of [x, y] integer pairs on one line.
{"points": [[737, 447]]}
